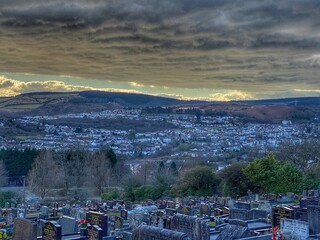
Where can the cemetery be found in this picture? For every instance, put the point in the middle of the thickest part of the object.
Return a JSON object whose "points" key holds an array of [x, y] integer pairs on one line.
{"points": [[285, 216]]}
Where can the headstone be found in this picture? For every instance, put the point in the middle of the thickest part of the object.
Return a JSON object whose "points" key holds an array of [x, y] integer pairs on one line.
{"points": [[10, 218], [51, 231], [66, 211], [236, 213], [44, 210], [144, 232], [56, 205], [271, 197], [281, 212], [297, 229], [128, 205], [160, 222], [160, 213], [222, 201], [171, 204], [40, 226], [171, 211], [118, 222], [69, 225], [205, 210], [24, 229], [304, 193], [265, 206], [99, 219], [313, 193], [95, 232], [124, 214], [195, 228], [225, 210], [233, 232], [231, 203], [256, 214], [305, 202], [242, 205], [184, 210], [313, 219], [191, 203]]}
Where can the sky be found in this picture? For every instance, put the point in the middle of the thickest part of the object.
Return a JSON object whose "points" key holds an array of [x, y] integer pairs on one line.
{"points": [[188, 49]]}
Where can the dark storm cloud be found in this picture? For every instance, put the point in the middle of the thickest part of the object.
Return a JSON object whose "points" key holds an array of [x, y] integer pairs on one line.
{"points": [[97, 12], [233, 23], [215, 44]]}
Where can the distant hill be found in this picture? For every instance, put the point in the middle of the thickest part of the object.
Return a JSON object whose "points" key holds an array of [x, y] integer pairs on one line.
{"points": [[304, 101], [132, 99], [52, 103]]}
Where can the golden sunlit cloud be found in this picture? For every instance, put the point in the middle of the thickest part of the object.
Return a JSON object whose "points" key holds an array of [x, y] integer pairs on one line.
{"points": [[231, 95], [10, 87], [134, 84], [308, 90]]}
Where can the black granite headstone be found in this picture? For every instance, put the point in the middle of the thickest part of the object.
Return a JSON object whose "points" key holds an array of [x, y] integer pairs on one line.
{"points": [[51, 231], [99, 219], [94, 232], [118, 222], [124, 214], [281, 212]]}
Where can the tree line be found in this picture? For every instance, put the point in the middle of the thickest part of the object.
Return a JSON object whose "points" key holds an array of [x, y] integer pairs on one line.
{"points": [[290, 168]]}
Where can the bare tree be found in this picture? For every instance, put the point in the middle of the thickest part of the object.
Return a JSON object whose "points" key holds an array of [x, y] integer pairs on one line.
{"points": [[303, 155], [44, 175], [99, 170], [73, 164], [3, 174]]}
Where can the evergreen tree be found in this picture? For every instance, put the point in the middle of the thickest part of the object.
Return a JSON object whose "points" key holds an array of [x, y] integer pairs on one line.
{"points": [[111, 155], [174, 169]]}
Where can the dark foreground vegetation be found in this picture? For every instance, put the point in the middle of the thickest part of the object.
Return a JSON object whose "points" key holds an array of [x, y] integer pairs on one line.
{"points": [[291, 168]]}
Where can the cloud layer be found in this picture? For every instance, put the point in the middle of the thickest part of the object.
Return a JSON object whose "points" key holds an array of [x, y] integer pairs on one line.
{"points": [[245, 47]]}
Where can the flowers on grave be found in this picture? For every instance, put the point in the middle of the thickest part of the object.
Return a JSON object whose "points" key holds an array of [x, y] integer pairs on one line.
{"points": [[2, 225], [83, 223], [3, 234]]}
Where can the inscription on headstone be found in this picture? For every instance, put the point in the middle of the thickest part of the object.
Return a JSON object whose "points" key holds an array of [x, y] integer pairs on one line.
{"points": [[95, 232], [99, 219], [281, 212], [118, 222], [51, 231], [298, 229]]}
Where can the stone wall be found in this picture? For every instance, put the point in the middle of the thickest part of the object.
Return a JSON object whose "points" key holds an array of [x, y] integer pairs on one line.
{"points": [[195, 228]]}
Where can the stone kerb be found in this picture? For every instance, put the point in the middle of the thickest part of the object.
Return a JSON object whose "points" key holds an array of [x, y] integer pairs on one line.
{"points": [[145, 232]]}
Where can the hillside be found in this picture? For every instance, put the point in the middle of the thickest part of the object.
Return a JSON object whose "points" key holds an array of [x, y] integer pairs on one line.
{"points": [[48, 103]]}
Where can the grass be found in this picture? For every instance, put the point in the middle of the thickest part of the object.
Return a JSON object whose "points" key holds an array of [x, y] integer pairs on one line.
{"points": [[113, 214], [22, 137], [23, 106]]}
